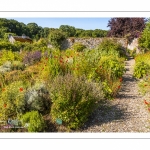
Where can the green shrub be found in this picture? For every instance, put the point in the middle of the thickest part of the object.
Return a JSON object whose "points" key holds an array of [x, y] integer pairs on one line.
{"points": [[110, 71], [12, 102], [141, 69], [33, 121], [74, 99], [79, 47], [110, 68], [6, 56], [8, 46], [111, 47], [56, 37], [37, 98], [144, 40], [17, 65]]}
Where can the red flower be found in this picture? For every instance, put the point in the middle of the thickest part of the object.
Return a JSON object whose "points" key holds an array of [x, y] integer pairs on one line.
{"points": [[46, 58], [5, 105], [120, 79], [61, 61], [145, 85], [119, 87], [21, 89], [146, 102]]}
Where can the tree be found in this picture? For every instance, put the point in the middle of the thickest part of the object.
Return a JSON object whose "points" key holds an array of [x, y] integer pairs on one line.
{"points": [[144, 40], [126, 27], [56, 37], [69, 30]]}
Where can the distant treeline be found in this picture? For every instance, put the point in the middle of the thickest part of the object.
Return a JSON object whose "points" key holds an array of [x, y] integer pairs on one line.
{"points": [[36, 32]]}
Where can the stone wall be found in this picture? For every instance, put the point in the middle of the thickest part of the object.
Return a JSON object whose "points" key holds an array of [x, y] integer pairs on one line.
{"points": [[94, 42], [89, 42], [134, 45]]}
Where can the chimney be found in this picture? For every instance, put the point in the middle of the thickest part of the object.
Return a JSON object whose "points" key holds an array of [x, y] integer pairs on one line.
{"points": [[9, 35], [23, 36]]}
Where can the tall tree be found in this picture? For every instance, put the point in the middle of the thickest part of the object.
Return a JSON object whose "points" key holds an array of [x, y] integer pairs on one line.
{"points": [[126, 27], [144, 40], [68, 30]]}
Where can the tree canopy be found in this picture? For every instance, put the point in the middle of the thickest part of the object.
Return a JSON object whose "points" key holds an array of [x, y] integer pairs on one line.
{"points": [[36, 32], [126, 27]]}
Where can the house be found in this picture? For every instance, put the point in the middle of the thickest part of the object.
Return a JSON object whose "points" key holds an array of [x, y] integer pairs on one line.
{"points": [[22, 38]]}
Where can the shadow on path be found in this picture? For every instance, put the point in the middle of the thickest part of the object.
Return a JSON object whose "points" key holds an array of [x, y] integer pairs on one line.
{"points": [[114, 112]]}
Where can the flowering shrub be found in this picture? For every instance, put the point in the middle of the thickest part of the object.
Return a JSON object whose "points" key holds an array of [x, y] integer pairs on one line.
{"points": [[32, 57], [74, 99], [12, 102]]}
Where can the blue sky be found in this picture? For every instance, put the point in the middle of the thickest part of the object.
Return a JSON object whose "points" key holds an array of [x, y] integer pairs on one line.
{"points": [[83, 23]]}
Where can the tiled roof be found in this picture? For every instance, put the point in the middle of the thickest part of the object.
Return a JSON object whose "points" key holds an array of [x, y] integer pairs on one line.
{"points": [[22, 39]]}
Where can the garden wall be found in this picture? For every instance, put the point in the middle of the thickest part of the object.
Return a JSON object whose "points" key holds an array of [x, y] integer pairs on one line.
{"points": [[94, 42]]}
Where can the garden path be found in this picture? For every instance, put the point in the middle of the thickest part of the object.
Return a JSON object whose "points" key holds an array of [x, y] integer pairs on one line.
{"points": [[126, 113]]}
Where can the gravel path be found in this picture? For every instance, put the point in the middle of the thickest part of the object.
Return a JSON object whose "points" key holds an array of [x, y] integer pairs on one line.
{"points": [[127, 113]]}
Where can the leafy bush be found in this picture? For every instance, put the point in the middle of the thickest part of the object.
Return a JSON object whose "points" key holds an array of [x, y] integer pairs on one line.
{"points": [[56, 37], [141, 69], [5, 67], [33, 121], [17, 65], [111, 47], [12, 100], [79, 47], [144, 40], [110, 71], [8, 46], [110, 68], [74, 99], [6, 56], [37, 98]]}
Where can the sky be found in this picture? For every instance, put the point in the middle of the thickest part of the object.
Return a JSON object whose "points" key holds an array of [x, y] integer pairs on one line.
{"points": [[83, 23]]}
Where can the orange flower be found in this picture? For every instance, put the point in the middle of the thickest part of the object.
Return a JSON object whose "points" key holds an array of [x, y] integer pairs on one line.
{"points": [[148, 109], [21, 89], [5, 105], [146, 102], [119, 87], [3, 89]]}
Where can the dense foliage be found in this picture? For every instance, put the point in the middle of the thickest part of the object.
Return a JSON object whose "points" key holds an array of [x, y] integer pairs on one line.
{"points": [[144, 40], [10, 26], [126, 27], [41, 85]]}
